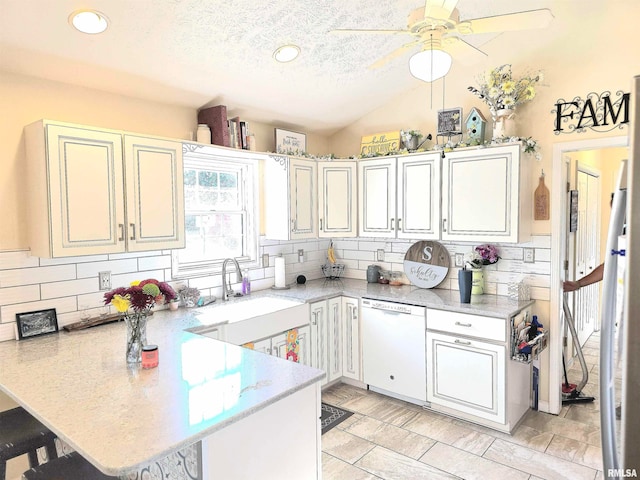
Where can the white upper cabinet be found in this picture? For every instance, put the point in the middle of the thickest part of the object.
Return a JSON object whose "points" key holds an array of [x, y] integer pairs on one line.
{"points": [[400, 198], [90, 195], [337, 199], [377, 195], [155, 197], [418, 208], [481, 198], [290, 198]]}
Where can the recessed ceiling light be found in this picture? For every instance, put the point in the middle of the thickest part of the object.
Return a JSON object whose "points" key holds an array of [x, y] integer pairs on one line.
{"points": [[286, 53], [88, 21]]}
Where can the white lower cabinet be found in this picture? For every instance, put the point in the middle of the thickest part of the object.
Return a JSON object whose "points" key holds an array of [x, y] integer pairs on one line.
{"points": [[466, 375], [469, 370], [335, 338], [291, 345], [351, 348]]}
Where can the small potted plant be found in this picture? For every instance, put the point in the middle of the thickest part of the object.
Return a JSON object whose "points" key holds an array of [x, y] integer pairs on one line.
{"points": [[411, 139]]}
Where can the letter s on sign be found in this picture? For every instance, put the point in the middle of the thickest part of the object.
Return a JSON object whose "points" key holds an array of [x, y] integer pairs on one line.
{"points": [[426, 253]]}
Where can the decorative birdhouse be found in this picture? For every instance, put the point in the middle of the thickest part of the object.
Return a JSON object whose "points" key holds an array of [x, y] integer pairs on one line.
{"points": [[476, 124]]}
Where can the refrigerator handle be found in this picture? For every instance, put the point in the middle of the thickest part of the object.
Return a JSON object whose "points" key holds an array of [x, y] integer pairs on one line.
{"points": [[610, 457]]}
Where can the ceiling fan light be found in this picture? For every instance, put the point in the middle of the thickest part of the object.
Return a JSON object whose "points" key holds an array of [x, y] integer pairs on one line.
{"points": [[429, 65], [286, 53], [88, 21]]}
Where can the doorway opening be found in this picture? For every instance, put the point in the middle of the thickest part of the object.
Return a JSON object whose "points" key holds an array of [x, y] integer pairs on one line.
{"points": [[565, 262]]}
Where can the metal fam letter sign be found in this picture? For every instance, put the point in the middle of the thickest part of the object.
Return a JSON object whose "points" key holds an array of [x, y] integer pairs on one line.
{"points": [[598, 112]]}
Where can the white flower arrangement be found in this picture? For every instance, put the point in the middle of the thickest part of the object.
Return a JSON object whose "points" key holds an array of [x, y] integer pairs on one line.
{"points": [[500, 91]]}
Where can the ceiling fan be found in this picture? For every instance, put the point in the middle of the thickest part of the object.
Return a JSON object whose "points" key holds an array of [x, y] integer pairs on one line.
{"points": [[437, 29]]}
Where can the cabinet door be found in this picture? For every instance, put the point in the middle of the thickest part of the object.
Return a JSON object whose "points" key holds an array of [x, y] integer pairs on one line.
{"points": [[334, 343], [419, 197], [155, 198], [262, 346], [377, 197], [351, 339], [302, 198], [480, 200], [304, 344], [337, 204], [319, 339], [85, 188], [466, 375]]}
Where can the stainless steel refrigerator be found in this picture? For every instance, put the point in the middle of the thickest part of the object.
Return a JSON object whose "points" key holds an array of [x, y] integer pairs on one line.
{"points": [[621, 291]]}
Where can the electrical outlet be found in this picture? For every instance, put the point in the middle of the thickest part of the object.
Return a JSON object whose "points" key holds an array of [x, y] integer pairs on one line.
{"points": [[301, 255], [104, 280], [459, 259], [265, 260], [380, 255], [529, 255]]}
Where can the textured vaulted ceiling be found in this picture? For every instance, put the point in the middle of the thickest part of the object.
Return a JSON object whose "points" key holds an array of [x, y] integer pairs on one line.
{"points": [[205, 52]]}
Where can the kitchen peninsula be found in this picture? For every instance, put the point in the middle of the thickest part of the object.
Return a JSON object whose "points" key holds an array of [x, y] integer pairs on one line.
{"points": [[223, 400]]}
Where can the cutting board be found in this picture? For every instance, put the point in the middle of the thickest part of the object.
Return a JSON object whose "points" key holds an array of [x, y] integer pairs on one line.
{"points": [[426, 263]]}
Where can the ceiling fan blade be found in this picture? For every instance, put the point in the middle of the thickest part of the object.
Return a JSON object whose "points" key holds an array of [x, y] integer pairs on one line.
{"points": [[439, 8], [364, 30], [462, 51], [395, 54], [511, 22]]}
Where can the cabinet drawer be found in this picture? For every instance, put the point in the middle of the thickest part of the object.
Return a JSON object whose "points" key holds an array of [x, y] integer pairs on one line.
{"points": [[489, 328]]}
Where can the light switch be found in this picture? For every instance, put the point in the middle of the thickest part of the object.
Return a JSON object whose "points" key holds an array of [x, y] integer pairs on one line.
{"points": [[529, 255]]}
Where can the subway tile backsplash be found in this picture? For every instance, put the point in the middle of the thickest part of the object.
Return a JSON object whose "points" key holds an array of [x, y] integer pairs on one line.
{"points": [[70, 285]]}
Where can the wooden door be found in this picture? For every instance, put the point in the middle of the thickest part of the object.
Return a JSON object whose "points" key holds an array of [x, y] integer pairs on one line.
{"points": [[337, 200], [155, 198]]}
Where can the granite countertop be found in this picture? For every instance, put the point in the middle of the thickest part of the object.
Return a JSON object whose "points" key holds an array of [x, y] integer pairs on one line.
{"points": [[121, 418], [440, 299]]}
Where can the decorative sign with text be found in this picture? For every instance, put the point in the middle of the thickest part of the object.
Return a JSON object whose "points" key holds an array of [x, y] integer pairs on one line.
{"points": [[599, 112], [380, 144], [426, 264]]}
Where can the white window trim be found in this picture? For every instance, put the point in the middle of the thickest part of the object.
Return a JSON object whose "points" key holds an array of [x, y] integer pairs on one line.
{"points": [[195, 155]]}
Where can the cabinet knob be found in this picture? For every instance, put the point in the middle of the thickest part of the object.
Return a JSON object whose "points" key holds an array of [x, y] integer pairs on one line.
{"points": [[121, 227], [444, 224], [320, 224], [460, 342], [392, 377], [398, 224], [133, 231], [392, 222]]}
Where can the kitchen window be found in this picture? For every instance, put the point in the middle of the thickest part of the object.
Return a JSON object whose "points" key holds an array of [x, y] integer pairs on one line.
{"points": [[221, 214]]}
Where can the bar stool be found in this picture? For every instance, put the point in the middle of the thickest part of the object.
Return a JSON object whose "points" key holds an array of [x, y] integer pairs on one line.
{"points": [[21, 433], [68, 467]]}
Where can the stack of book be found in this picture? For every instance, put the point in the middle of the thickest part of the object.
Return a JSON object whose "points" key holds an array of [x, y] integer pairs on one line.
{"points": [[226, 132]]}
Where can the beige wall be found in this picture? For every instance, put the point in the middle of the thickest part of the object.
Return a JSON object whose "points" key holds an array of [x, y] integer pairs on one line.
{"points": [[28, 99]]}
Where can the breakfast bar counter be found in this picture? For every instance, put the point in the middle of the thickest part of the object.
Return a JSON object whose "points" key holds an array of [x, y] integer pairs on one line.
{"points": [[223, 399]]}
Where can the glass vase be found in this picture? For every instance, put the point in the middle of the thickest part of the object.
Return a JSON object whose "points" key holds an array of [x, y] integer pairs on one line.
{"points": [[136, 335]]}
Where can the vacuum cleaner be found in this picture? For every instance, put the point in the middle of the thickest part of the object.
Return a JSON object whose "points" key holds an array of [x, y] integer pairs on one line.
{"points": [[572, 393]]}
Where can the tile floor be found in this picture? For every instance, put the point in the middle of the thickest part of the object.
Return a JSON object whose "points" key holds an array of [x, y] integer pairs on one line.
{"points": [[393, 440]]}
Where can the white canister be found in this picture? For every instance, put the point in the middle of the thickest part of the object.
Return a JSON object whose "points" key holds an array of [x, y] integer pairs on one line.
{"points": [[203, 134]]}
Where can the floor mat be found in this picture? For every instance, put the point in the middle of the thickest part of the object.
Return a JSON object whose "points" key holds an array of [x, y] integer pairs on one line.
{"points": [[332, 416]]}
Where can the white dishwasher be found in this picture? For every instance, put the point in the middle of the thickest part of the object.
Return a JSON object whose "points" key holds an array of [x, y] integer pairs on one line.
{"points": [[394, 348]]}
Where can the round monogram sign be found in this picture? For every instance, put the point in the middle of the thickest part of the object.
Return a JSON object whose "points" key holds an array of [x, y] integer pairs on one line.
{"points": [[426, 264]]}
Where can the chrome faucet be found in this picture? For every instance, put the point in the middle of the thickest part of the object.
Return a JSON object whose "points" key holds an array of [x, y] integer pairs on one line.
{"points": [[226, 287]]}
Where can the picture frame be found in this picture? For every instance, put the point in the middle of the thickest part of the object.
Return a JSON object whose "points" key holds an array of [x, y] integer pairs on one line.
{"points": [[290, 143], [36, 323], [450, 121]]}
